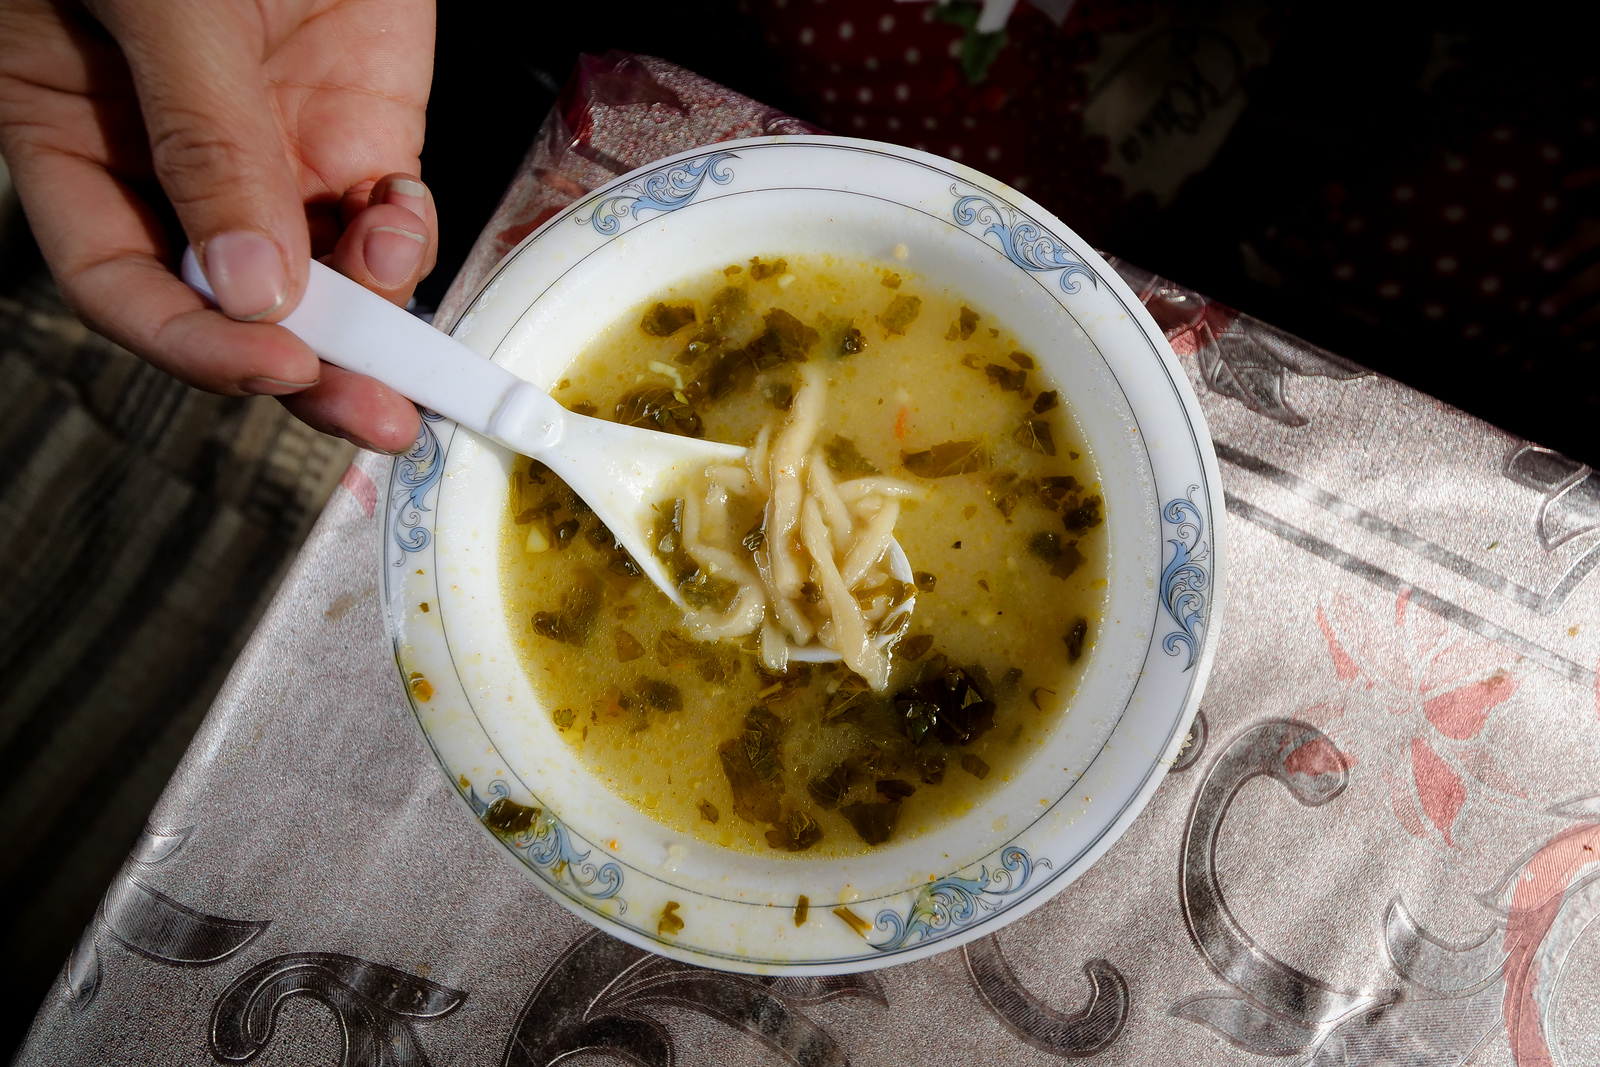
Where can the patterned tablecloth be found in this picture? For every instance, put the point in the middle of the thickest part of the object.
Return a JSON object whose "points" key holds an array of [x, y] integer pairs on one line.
{"points": [[1381, 846]]}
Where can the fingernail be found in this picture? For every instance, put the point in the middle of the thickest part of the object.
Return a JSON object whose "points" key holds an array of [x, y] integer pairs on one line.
{"points": [[392, 254], [363, 443], [273, 386], [413, 196], [246, 273]]}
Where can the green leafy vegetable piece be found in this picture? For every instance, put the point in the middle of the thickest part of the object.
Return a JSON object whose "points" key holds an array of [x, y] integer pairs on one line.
{"points": [[755, 799], [579, 606], [930, 765], [914, 648], [975, 766], [873, 822], [901, 313], [658, 407], [1055, 491], [1009, 381], [798, 832], [779, 395], [968, 322], [827, 789], [1064, 559], [1023, 360], [506, 816], [755, 538], [786, 340], [846, 458], [944, 460], [852, 697], [924, 581], [891, 280], [708, 811], [665, 319], [1046, 402], [950, 705], [1084, 516], [895, 788], [628, 646], [851, 343], [1034, 435], [1077, 638], [761, 271], [563, 718], [658, 695]]}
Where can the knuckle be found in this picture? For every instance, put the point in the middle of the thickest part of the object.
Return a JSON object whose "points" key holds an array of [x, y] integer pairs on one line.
{"points": [[195, 163]]}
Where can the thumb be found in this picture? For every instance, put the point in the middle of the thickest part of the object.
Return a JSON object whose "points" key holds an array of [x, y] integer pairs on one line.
{"points": [[216, 147]]}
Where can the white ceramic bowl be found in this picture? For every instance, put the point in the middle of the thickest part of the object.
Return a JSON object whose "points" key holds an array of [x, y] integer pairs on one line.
{"points": [[681, 218]]}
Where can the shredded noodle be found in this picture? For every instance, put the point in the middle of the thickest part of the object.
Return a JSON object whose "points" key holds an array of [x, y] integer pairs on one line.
{"points": [[805, 574]]}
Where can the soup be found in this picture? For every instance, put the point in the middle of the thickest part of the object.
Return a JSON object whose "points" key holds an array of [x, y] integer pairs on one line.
{"points": [[925, 419]]}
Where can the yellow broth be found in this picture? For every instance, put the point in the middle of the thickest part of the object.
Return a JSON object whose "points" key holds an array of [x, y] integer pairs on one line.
{"points": [[1017, 565]]}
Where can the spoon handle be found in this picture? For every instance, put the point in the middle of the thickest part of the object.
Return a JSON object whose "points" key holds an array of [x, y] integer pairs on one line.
{"points": [[356, 329]]}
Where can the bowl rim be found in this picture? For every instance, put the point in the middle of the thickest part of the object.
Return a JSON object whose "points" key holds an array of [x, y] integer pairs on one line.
{"points": [[1209, 544]]}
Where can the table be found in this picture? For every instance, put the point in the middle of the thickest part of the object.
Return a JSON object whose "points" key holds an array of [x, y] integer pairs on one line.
{"points": [[1381, 845]]}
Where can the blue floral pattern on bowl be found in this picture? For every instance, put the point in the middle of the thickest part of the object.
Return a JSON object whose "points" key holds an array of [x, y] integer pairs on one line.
{"points": [[1024, 242], [944, 906], [1185, 580], [667, 189], [547, 846]]}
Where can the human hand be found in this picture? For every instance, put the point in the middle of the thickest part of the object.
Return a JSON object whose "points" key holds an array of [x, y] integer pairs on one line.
{"points": [[1576, 304], [275, 130]]}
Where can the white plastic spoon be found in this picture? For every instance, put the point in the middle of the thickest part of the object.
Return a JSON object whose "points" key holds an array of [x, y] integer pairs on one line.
{"points": [[618, 470]]}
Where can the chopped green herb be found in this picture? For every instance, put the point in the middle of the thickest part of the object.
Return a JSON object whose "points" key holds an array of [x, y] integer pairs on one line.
{"points": [[760, 271], [708, 811], [827, 789], [1023, 360], [628, 646], [873, 822], [1046, 402], [1076, 639], [895, 788], [901, 313], [669, 923], [968, 322], [658, 407], [914, 648], [851, 343], [796, 833], [755, 538], [506, 816], [664, 319], [1009, 381], [1034, 435], [1064, 559], [924, 581], [658, 695], [852, 697], [944, 460], [563, 718], [1084, 516], [845, 458], [802, 908], [779, 395], [950, 705], [974, 766]]}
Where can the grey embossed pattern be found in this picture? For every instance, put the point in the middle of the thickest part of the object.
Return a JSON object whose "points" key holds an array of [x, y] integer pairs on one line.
{"points": [[1381, 846]]}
